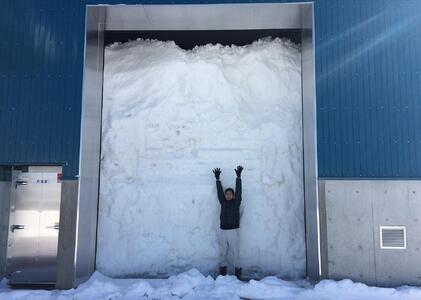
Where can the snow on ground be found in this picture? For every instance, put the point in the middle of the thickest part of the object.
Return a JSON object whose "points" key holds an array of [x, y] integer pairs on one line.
{"points": [[192, 285], [169, 117]]}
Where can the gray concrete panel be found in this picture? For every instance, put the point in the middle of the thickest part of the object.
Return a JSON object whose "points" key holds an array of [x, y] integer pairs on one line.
{"points": [[324, 266], [395, 204], [350, 231], [67, 235], [413, 238], [355, 210]]}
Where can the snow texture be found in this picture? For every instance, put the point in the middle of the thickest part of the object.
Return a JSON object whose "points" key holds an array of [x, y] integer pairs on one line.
{"points": [[169, 117], [192, 285]]}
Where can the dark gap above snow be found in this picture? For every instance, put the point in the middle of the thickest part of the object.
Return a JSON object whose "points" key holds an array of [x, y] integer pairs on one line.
{"points": [[190, 38]]}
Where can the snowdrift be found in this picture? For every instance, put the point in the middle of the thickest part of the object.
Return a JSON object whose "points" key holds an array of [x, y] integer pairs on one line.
{"points": [[192, 285], [169, 117]]}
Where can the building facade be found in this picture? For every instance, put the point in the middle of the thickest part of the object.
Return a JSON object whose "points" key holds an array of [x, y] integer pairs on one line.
{"points": [[368, 103]]}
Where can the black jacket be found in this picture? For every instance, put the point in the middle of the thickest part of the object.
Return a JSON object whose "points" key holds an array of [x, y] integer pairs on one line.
{"points": [[230, 210]]}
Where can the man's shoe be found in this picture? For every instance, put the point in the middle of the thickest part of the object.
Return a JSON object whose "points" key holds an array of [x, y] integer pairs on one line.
{"points": [[223, 271], [238, 273]]}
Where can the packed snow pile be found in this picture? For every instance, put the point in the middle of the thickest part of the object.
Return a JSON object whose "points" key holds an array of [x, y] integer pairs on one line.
{"points": [[169, 117], [192, 285]]}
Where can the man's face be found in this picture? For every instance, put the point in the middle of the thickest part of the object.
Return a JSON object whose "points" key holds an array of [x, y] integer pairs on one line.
{"points": [[229, 195]]}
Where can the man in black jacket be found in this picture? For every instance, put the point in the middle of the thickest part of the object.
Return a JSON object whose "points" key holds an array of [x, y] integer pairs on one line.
{"points": [[230, 222]]}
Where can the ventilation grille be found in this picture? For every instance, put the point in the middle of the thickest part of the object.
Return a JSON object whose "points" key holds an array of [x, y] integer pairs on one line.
{"points": [[392, 237]]}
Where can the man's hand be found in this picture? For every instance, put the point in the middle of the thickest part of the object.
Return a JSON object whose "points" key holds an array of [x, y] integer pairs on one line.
{"points": [[238, 171], [217, 172]]}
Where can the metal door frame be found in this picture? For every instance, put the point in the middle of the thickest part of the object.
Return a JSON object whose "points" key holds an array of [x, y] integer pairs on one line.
{"points": [[5, 188], [90, 143]]}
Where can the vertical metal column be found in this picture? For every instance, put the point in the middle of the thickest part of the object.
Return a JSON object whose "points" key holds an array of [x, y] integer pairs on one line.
{"points": [[87, 209], [310, 143], [67, 235]]}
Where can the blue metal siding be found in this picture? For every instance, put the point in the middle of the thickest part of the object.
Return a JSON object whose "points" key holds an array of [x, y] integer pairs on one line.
{"points": [[368, 88], [41, 62], [368, 80]]}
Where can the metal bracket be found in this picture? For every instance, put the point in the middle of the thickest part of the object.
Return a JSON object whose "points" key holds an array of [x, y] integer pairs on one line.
{"points": [[14, 226], [20, 182]]}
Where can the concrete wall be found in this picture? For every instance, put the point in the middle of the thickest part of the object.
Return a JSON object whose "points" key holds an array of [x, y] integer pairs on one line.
{"points": [[67, 235], [5, 188], [352, 212]]}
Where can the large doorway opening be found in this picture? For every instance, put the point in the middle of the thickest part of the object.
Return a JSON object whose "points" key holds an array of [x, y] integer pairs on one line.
{"points": [[189, 26]]}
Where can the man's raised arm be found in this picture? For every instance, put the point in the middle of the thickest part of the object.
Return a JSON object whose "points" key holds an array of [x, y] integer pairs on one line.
{"points": [[220, 190], [238, 188]]}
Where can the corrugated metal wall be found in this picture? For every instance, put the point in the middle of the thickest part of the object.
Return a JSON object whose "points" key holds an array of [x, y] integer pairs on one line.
{"points": [[41, 62], [369, 88], [368, 70]]}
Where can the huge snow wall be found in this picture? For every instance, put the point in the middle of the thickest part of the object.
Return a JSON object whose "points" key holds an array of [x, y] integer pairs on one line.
{"points": [[169, 117]]}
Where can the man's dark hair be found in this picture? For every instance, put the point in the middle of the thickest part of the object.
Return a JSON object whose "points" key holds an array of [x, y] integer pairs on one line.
{"points": [[229, 189]]}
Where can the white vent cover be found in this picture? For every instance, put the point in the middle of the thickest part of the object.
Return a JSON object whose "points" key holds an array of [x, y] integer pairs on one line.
{"points": [[392, 237]]}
